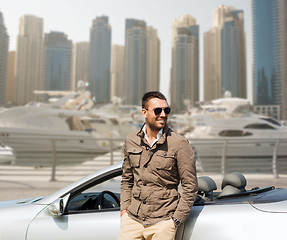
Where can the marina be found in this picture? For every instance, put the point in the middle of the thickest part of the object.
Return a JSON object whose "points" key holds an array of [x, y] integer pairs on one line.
{"points": [[225, 134]]}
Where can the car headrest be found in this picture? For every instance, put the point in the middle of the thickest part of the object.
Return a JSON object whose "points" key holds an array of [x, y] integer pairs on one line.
{"points": [[235, 179], [206, 184]]}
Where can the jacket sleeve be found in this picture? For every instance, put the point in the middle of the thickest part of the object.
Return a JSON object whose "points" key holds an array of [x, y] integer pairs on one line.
{"points": [[187, 175], [127, 182]]}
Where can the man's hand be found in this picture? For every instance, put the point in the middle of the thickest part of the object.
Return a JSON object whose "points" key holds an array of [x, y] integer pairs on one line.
{"points": [[123, 212]]}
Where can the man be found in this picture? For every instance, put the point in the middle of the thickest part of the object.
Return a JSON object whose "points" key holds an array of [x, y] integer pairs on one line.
{"points": [[156, 161]]}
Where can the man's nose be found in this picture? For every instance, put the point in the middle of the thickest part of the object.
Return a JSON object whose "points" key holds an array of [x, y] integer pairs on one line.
{"points": [[163, 114]]}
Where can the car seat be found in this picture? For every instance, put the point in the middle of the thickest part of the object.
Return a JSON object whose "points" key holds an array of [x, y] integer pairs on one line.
{"points": [[233, 183], [206, 186]]}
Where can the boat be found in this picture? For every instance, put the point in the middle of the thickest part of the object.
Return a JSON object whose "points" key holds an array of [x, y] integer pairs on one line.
{"points": [[6, 155], [70, 129], [36, 133], [227, 131]]}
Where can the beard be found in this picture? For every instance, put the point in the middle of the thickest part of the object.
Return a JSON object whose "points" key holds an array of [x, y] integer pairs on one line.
{"points": [[153, 127]]}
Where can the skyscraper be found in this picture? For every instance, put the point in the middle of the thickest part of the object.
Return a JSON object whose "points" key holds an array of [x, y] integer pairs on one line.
{"points": [[10, 83], [135, 73], [153, 59], [29, 59], [80, 63], [184, 85], [270, 53], [142, 60], [212, 69], [100, 59], [4, 47], [117, 71], [225, 54], [58, 61]]}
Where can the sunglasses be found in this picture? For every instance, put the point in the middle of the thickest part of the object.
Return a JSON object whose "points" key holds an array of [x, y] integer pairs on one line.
{"points": [[158, 110]]}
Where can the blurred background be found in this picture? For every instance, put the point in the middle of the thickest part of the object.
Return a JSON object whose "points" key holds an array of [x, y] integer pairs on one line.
{"points": [[72, 74]]}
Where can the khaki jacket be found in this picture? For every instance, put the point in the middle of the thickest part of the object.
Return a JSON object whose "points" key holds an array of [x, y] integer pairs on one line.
{"points": [[150, 179]]}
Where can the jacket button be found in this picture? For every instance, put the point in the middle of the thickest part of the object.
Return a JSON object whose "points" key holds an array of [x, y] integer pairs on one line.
{"points": [[164, 154], [144, 183], [144, 218], [144, 202]]}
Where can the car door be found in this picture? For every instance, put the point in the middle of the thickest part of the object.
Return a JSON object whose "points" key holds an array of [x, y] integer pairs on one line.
{"points": [[88, 226], [83, 218]]}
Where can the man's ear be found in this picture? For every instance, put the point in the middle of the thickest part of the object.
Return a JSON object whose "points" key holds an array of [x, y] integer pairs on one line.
{"points": [[144, 112]]}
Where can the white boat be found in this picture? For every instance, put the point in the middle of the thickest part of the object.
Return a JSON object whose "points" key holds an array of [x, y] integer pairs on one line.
{"points": [[70, 129], [227, 129], [6, 155], [34, 133]]}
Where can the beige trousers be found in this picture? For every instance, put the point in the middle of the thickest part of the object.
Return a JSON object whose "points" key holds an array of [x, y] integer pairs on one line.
{"points": [[132, 230]]}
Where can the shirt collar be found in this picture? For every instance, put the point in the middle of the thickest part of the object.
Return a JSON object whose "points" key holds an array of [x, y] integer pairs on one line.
{"points": [[158, 136]]}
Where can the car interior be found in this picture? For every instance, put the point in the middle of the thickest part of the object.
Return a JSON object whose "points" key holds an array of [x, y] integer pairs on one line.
{"points": [[106, 195], [102, 196], [233, 185]]}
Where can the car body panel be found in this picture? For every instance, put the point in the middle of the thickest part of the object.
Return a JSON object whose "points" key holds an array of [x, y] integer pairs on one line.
{"points": [[92, 225], [15, 220], [255, 214], [236, 222]]}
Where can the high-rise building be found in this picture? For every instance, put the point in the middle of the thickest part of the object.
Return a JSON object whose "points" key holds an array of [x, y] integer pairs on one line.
{"points": [[58, 61], [184, 85], [135, 73], [212, 69], [29, 59], [117, 71], [80, 63], [4, 48], [153, 59], [225, 54], [10, 84], [270, 53], [141, 73], [100, 59]]}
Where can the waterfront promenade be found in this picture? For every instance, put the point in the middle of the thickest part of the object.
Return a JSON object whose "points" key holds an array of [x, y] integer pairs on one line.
{"points": [[18, 182]]}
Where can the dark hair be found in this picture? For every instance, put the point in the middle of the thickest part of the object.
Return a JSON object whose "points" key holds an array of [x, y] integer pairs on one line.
{"points": [[149, 95]]}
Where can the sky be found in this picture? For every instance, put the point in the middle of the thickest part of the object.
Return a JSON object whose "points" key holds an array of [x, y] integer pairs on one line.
{"points": [[74, 18]]}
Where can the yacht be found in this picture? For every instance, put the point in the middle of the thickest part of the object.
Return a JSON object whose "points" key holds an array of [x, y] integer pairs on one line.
{"points": [[35, 133], [228, 128]]}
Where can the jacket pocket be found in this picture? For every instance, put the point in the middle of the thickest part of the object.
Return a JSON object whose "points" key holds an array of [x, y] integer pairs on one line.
{"points": [[164, 205], [135, 202], [165, 160], [134, 156]]}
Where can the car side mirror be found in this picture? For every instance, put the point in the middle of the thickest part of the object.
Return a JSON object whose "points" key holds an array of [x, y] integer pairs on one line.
{"points": [[57, 208]]}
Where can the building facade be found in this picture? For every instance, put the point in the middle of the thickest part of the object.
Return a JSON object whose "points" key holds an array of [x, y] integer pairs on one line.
{"points": [[80, 63], [135, 62], [4, 48], [225, 68], [153, 59], [100, 59], [10, 84], [57, 62], [270, 53], [184, 84], [211, 64], [117, 71], [29, 59]]}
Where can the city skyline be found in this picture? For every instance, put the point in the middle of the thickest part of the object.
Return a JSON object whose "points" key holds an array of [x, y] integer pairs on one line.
{"points": [[151, 12], [225, 54]]}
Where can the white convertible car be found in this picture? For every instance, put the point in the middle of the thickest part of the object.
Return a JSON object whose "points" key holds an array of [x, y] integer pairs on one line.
{"points": [[89, 209]]}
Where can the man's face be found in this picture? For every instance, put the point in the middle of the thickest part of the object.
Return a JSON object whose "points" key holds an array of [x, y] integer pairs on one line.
{"points": [[155, 122]]}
